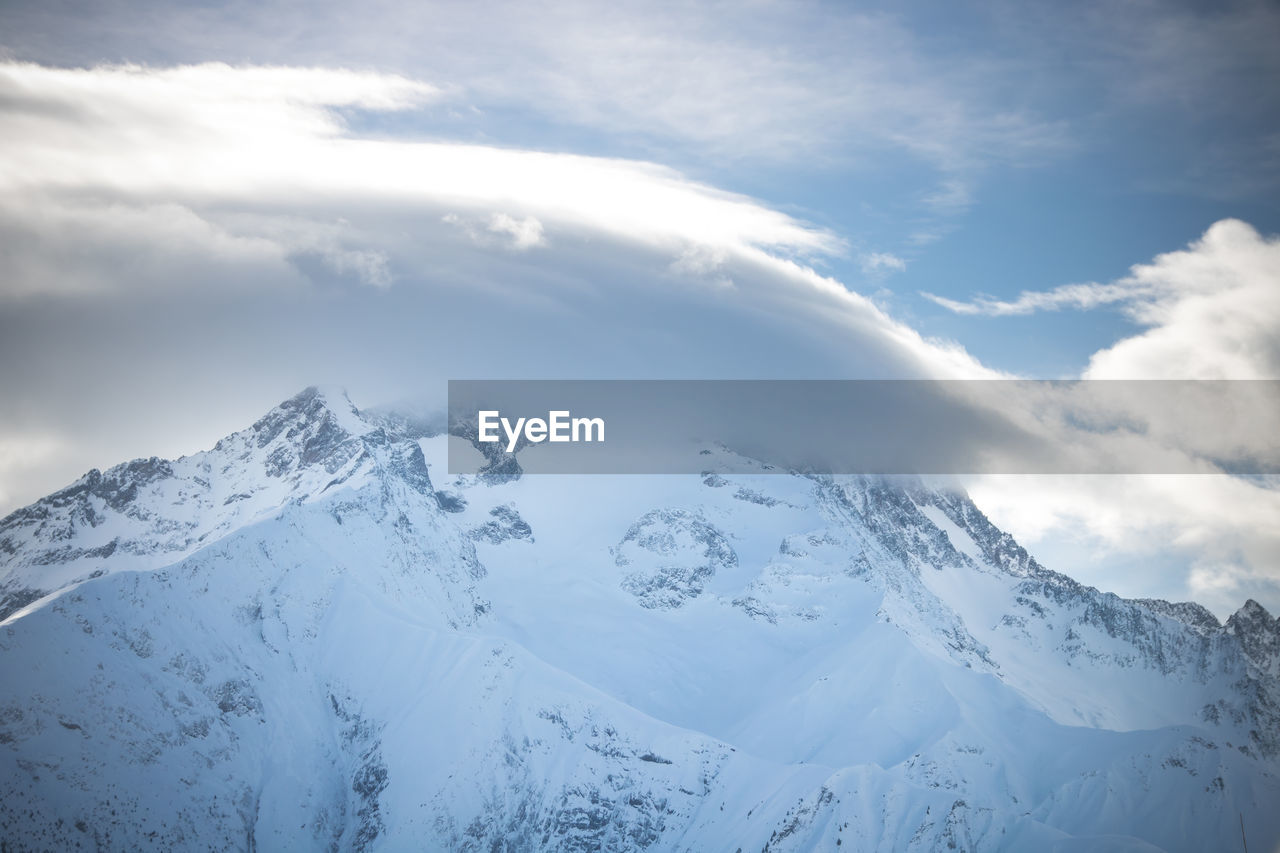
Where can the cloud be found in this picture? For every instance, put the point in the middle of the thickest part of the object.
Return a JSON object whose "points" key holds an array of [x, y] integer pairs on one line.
{"points": [[711, 87], [771, 81], [1078, 296], [371, 268], [954, 196], [55, 245], [219, 135], [161, 112], [902, 91], [880, 262], [245, 227], [702, 263], [524, 233], [500, 229], [1207, 539], [1209, 311], [1212, 311]]}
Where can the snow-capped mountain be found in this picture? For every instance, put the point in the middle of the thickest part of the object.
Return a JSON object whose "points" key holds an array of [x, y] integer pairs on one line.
{"points": [[312, 637]]}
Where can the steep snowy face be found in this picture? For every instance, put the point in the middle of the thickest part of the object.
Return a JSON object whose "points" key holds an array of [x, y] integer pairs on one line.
{"points": [[312, 637]]}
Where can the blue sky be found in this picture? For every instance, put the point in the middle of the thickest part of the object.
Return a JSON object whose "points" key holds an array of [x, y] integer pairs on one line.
{"points": [[207, 206]]}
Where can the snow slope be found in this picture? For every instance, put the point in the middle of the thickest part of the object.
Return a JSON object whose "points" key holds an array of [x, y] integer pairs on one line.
{"points": [[311, 637]]}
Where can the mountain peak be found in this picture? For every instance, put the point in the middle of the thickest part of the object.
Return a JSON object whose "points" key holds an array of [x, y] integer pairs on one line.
{"points": [[316, 425], [1253, 610], [315, 403], [1259, 635], [1251, 618], [155, 510]]}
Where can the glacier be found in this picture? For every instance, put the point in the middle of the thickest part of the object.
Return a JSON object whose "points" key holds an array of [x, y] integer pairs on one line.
{"points": [[312, 637]]}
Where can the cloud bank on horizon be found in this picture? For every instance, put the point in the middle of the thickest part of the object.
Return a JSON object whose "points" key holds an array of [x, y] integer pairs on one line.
{"points": [[190, 237]]}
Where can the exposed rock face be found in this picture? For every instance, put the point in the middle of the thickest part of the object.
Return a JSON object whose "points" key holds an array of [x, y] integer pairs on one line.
{"points": [[670, 554], [1259, 636], [506, 525]]}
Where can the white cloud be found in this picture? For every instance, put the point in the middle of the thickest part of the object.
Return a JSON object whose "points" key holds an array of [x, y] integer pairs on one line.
{"points": [[702, 262], [700, 84], [256, 161], [524, 233], [219, 215], [873, 263], [768, 80], [370, 267], [56, 244], [189, 134], [499, 230], [1212, 312], [1078, 296], [1209, 311], [1208, 539]]}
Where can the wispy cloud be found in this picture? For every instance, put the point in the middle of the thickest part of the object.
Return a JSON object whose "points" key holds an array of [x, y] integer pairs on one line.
{"points": [[878, 263], [500, 229], [211, 137], [524, 233], [707, 84], [951, 197], [1077, 296]]}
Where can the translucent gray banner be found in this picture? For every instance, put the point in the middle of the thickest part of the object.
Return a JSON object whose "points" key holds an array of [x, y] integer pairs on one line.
{"points": [[499, 428]]}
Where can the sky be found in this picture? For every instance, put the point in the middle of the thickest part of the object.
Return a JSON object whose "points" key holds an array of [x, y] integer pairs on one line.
{"points": [[205, 207]]}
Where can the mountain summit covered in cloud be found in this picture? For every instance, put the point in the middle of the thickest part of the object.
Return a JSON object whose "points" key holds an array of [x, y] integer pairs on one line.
{"points": [[312, 637]]}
